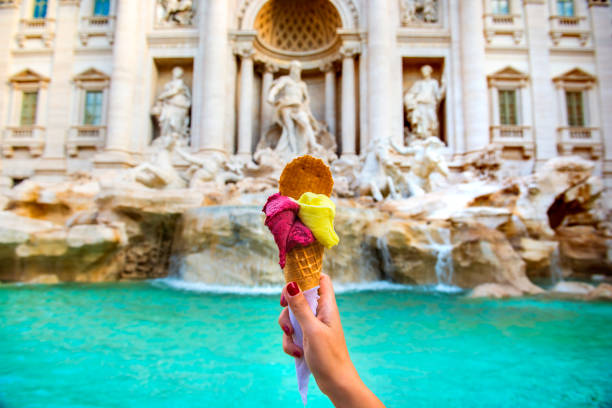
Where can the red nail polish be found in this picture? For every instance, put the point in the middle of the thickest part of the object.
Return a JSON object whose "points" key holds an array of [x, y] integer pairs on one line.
{"points": [[283, 301], [293, 288], [297, 354], [286, 330]]}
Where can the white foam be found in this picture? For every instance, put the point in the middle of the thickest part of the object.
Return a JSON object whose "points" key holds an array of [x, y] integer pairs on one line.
{"points": [[376, 286]]}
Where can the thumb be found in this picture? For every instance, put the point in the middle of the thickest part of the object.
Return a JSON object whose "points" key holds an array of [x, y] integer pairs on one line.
{"points": [[299, 306]]}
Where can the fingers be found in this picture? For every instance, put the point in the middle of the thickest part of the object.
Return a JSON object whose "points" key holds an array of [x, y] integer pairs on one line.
{"points": [[285, 323], [290, 348], [300, 307]]}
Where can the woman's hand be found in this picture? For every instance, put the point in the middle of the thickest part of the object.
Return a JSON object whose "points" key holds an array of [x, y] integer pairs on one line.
{"points": [[324, 346]]}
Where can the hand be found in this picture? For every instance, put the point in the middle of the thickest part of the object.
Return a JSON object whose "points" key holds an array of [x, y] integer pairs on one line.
{"points": [[325, 348]]}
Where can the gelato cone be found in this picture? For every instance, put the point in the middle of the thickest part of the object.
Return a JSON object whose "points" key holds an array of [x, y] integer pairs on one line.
{"points": [[305, 174]]}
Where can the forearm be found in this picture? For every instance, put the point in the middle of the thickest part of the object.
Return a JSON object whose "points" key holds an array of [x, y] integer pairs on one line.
{"points": [[350, 392]]}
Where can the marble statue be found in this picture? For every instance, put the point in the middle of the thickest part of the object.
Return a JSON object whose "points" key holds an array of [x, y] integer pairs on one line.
{"points": [[378, 172], [158, 172], [212, 172], [421, 103], [176, 12], [418, 11], [172, 108], [301, 132], [428, 168]]}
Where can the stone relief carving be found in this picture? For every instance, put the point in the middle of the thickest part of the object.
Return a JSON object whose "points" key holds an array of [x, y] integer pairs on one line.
{"points": [[421, 104], [158, 172], [378, 172], [171, 108], [418, 11], [175, 12], [428, 168], [301, 132]]}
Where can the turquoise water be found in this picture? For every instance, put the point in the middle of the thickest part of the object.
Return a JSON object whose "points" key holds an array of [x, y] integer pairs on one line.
{"points": [[148, 345]]}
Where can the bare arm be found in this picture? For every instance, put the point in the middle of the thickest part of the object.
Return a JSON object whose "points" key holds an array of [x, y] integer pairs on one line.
{"points": [[325, 347]]}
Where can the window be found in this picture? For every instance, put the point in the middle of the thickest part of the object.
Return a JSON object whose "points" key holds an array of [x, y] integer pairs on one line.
{"points": [[565, 8], [575, 108], [507, 107], [40, 9], [101, 7], [93, 108], [29, 101], [500, 7]]}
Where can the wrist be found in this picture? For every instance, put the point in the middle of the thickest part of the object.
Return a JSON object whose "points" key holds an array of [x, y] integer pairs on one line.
{"points": [[343, 390]]}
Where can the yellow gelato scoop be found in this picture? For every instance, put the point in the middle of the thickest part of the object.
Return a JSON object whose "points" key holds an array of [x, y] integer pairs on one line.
{"points": [[317, 211]]}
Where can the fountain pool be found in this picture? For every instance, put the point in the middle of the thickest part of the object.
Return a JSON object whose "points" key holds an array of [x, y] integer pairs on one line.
{"points": [[155, 344]]}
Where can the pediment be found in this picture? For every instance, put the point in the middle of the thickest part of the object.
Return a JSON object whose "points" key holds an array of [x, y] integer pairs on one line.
{"points": [[27, 75], [91, 75], [575, 75], [508, 73]]}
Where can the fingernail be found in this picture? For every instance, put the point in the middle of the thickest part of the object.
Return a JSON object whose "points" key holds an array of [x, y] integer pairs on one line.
{"points": [[286, 330], [297, 354], [283, 301], [293, 288]]}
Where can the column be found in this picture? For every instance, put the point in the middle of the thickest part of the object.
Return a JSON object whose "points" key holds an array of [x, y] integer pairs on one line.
{"points": [[542, 92], [475, 109], [330, 96], [212, 60], [348, 100], [267, 110], [9, 20], [122, 86], [380, 59], [60, 87], [602, 41], [245, 112]]}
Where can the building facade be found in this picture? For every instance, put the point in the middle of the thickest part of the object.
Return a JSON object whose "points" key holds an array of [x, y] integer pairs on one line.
{"points": [[79, 78]]}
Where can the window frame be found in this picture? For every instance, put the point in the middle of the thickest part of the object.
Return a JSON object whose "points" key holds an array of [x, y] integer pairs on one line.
{"points": [[94, 3], [515, 92], [561, 8], [32, 115], [496, 12], [37, 5]]}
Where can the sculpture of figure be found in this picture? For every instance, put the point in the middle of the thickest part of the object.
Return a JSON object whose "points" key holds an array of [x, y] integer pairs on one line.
{"points": [[179, 12], [408, 11], [289, 96], [377, 173], [429, 11], [172, 108], [159, 172], [211, 172], [421, 103], [428, 168], [418, 11]]}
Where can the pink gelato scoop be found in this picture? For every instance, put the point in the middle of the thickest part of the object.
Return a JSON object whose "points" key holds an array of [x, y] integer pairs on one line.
{"points": [[283, 222]]}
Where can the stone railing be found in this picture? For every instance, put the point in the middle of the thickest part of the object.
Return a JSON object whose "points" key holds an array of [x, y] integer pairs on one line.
{"points": [[578, 138], [569, 26], [514, 137], [97, 26], [36, 28], [503, 25], [85, 136], [29, 137]]}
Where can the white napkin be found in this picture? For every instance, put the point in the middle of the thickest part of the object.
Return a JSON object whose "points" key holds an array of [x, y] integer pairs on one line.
{"points": [[301, 368]]}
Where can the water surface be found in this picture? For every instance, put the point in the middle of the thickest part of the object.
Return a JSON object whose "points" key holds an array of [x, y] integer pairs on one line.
{"points": [[151, 345]]}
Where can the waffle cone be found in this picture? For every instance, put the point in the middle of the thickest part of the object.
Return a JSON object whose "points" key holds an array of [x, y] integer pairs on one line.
{"points": [[305, 174], [304, 266]]}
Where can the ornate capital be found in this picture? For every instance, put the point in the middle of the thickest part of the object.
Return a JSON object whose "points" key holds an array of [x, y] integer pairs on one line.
{"points": [[244, 50], [327, 66], [349, 50], [270, 67]]}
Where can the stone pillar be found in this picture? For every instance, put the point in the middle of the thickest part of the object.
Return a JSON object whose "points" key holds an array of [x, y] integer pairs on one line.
{"points": [[9, 19], [60, 87], [122, 86], [212, 55], [380, 59], [267, 110], [602, 41], [348, 100], [542, 91], [245, 113], [330, 96], [475, 109]]}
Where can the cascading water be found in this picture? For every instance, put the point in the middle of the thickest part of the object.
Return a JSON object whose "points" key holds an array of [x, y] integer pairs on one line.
{"points": [[556, 271], [444, 260]]}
